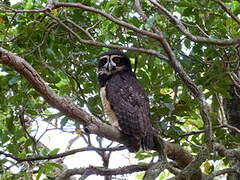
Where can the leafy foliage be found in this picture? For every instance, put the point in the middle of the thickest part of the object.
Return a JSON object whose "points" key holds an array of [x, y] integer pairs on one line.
{"points": [[70, 69]]}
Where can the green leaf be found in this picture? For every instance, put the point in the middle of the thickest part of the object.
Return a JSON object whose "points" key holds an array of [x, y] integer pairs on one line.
{"points": [[150, 22], [187, 11], [29, 4], [64, 121], [40, 173], [54, 152], [10, 125], [51, 54], [69, 68], [52, 166], [13, 148], [13, 80]]}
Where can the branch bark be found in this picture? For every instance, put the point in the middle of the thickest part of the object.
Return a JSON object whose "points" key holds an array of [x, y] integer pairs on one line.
{"points": [[231, 153], [64, 105], [94, 126], [102, 171]]}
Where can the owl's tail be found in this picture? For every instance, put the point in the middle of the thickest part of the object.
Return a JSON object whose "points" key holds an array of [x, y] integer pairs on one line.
{"points": [[149, 142], [148, 139], [133, 143]]}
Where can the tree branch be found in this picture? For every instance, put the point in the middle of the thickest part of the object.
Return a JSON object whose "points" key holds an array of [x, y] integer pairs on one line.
{"points": [[95, 43], [60, 155], [184, 30], [103, 171], [64, 105], [231, 153], [81, 29], [154, 171], [56, 5], [220, 172], [108, 16], [173, 151], [227, 10], [200, 131]]}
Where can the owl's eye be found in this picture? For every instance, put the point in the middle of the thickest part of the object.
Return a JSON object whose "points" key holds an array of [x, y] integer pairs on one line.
{"points": [[103, 61], [116, 60]]}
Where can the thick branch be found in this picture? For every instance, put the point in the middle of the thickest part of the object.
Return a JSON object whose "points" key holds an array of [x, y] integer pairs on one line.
{"points": [[156, 36], [191, 168], [64, 105], [72, 110]]}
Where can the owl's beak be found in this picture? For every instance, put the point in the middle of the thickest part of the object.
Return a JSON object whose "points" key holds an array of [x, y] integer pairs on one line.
{"points": [[110, 66]]}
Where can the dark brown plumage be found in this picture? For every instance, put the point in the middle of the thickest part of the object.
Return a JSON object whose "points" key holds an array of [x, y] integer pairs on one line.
{"points": [[124, 100], [232, 108]]}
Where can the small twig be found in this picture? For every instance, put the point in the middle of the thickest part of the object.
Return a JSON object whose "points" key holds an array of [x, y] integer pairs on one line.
{"points": [[221, 115], [70, 143], [188, 34], [93, 26], [220, 172], [138, 7], [135, 64], [234, 79], [200, 131], [23, 124], [81, 29], [227, 10], [198, 27], [45, 36], [230, 153], [60, 155], [95, 43], [232, 127], [45, 131]]}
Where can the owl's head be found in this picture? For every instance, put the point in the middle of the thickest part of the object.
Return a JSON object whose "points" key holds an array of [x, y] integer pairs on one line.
{"points": [[113, 61]]}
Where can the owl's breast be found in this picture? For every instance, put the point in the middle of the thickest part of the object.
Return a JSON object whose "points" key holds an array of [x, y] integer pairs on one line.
{"points": [[108, 109]]}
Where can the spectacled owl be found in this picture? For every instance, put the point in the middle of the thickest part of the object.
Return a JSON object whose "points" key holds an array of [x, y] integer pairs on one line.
{"points": [[124, 99]]}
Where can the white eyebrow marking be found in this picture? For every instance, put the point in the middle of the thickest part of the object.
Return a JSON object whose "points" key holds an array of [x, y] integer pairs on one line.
{"points": [[104, 57], [113, 56]]}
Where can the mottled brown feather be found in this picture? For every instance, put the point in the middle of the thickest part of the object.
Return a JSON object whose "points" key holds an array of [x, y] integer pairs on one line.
{"points": [[130, 104]]}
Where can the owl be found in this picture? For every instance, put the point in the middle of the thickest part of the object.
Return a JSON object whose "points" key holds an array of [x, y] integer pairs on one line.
{"points": [[124, 100]]}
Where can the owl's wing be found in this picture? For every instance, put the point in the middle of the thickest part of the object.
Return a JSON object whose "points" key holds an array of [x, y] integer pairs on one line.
{"points": [[130, 104]]}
